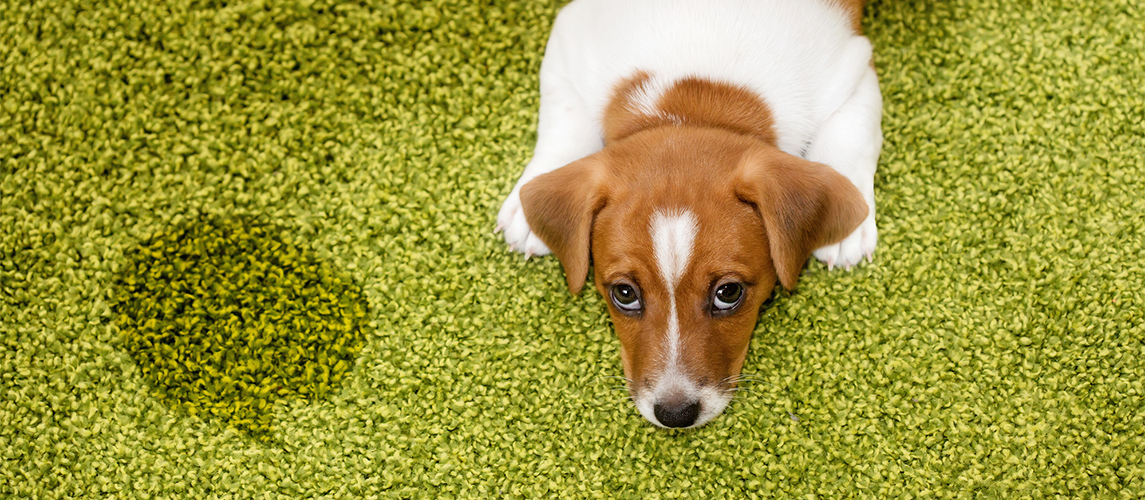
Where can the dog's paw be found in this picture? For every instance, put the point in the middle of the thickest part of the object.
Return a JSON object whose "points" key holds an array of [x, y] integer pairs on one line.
{"points": [[513, 226], [849, 252]]}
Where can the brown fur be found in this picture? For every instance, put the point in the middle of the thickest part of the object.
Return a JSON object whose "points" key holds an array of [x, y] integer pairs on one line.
{"points": [[691, 101]]}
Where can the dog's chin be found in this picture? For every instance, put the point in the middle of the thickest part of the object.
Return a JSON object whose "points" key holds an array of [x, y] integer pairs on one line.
{"points": [[711, 401]]}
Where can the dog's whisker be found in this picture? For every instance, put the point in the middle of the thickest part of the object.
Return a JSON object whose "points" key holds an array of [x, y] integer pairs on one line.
{"points": [[613, 377], [737, 393], [749, 382], [740, 381], [623, 400], [751, 379]]}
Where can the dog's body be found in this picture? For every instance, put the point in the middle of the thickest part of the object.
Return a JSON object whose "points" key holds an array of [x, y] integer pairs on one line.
{"points": [[684, 146]]}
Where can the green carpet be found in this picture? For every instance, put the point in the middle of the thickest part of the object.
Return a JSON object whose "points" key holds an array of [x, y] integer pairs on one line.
{"points": [[247, 251]]}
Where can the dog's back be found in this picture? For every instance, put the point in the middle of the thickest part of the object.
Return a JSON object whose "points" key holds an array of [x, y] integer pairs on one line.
{"points": [[803, 57]]}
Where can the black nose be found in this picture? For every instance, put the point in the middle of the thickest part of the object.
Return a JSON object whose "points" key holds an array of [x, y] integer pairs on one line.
{"points": [[677, 415]]}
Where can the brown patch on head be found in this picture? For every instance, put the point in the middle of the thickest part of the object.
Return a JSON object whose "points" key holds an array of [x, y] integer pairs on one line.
{"points": [[640, 103]]}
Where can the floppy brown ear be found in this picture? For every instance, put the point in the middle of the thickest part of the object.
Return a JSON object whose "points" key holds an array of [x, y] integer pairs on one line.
{"points": [[805, 205], [560, 207]]}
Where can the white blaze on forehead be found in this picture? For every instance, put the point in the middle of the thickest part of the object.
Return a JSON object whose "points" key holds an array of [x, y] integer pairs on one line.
{"points": [[674, 233]]}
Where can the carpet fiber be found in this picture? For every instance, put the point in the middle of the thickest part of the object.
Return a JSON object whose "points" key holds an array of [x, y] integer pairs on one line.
{"points": [[993, 349]]}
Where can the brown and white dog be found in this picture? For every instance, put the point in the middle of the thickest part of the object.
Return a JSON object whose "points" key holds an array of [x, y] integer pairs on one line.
{"points": [[697, 152]]}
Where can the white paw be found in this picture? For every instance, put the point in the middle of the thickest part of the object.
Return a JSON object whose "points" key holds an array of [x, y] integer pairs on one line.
{"points": [[853, 249], [511, 222]]}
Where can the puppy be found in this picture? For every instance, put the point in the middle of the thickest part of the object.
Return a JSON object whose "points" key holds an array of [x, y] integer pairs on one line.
{"points": [[697, 152]]}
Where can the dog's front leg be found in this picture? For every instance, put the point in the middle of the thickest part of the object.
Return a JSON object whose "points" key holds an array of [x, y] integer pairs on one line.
{"points": [[850, 141], [566, 131]]}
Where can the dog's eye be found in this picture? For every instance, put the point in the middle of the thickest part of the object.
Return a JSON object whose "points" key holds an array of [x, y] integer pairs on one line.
{"points": [[727, 297], [626, 298]]}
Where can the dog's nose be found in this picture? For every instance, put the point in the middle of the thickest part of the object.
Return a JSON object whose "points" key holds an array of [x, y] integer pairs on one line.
{"points": [[677, 414]]}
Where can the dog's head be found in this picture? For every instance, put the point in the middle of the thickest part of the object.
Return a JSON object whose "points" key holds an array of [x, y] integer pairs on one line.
{"points": [[688, 229]]}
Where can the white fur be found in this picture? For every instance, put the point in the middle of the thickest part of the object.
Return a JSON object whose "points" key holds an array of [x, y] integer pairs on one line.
{"points": [[674, 233], [800, 56]]}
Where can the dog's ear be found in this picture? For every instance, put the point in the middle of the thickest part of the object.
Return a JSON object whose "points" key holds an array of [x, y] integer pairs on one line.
{"points": [[560, 207], [805, 205]]}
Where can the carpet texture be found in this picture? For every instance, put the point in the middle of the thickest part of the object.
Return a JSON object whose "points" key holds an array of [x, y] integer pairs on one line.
{"points": [[993, 349]]}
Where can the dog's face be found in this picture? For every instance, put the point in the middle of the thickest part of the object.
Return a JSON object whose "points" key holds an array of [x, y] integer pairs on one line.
{"points": [[683, 264], [688, 230]]}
